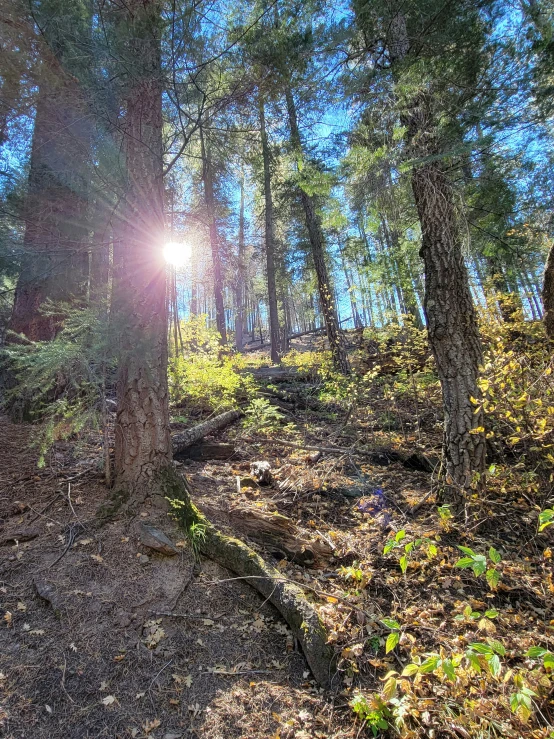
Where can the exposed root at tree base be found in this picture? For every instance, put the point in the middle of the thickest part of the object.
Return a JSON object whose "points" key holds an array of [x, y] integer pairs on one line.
{"points": [[267, 580]]}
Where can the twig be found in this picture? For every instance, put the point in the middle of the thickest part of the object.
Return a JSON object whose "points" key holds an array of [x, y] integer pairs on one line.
{"points": [[46, 507], [417, 506], [74, 531], [156, 676]]}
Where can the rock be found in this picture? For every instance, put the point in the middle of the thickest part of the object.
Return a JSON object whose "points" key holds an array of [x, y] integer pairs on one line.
{"points": [[155, 539], [48, 593], [261, 472], [144, 559], [171, 735]]}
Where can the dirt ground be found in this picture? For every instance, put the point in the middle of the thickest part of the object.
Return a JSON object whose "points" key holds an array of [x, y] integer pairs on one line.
{"points": [[102, 637], [86, 650]]}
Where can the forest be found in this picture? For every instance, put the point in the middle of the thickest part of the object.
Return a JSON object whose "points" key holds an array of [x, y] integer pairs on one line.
{"points": [[276, 369]]}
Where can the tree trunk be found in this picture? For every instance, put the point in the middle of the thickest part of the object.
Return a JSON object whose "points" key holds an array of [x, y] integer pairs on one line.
{"points": [[274, 330], [240, 285], [142, 438], [54, 264], [548, 295], [451, 318], [315, 232], [207, 177]]}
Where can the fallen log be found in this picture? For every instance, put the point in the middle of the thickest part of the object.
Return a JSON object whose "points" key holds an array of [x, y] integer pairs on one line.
{"points": [[280, 534], [380, 456], [274, 374], [184, 439], [235, 555], [297, 400], [204, 451]]}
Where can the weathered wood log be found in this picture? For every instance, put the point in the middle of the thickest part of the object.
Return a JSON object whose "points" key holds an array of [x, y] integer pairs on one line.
{"points": [[280, 534], [380, 455], [232, 553], [187, 438], [298, 400], [204, 451], [274, 374]]}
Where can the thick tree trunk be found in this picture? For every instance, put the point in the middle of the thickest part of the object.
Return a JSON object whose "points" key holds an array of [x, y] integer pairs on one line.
{"points": [[207, 177], [142, 438], [452, 326], [274, 330], [548, 295], [54, 264], [315, 232], [451, 318]]}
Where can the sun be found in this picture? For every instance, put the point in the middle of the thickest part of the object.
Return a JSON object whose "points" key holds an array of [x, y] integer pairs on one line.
{"points": [[177, 253]]}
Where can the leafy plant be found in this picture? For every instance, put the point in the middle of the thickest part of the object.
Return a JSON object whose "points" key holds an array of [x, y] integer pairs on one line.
{"points": [[354, 573], [468, 615], [261, 414], [394, 637], [374, 712], [478, 563], [544, 654], [486, 656], [546, 518], [408, 547]]}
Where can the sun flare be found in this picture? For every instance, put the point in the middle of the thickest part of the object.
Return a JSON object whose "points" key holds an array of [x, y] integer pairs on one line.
{"points": [[177, 253]]}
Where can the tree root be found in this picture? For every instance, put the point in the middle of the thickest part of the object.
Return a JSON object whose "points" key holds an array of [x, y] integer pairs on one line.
{"points": [[233, 554]]}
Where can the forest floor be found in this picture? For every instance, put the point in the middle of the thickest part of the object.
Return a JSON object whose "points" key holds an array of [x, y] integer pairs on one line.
{"points": [[106, 638]]}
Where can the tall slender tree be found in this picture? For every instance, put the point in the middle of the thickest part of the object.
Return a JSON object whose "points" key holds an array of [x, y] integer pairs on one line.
{"points": [[142, 439]]}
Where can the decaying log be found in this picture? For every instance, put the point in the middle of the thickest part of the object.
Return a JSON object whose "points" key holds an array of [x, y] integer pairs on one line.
{"points": [[207, 450], [298, 400], [279, 534], [380, 455], [187, 438], [274, 374], [232, 553]]}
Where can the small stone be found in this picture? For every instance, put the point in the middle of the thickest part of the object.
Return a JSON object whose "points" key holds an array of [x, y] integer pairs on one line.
{"points": [[153, 538], [124, 619], [261, 472], [144, 559]]}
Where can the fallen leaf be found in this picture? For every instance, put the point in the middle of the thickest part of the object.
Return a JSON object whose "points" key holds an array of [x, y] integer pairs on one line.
{"points": [[109, 700]]}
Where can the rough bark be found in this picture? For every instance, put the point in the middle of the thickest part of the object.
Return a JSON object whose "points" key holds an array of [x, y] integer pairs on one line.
{"points": [[287, 597], [142, 438], [315, 232], [451, 318], [281, 535], [187, 438], [54, 261], [207, 178], [240, 285], [548, 295], [274, 330]]}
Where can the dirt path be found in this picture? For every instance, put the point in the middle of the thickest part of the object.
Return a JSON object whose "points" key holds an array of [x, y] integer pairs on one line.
{"points": [[84, 651]]}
